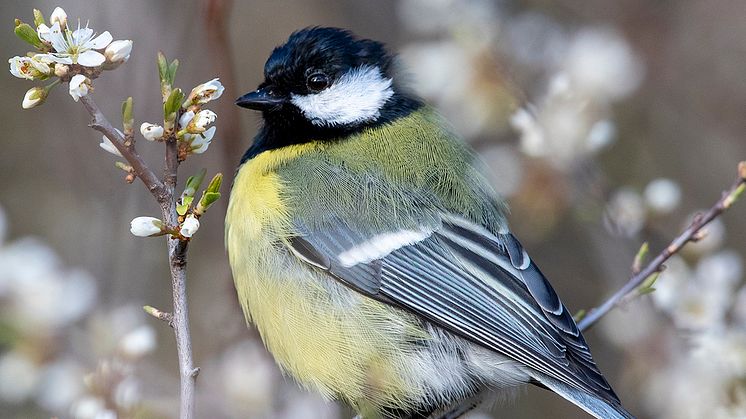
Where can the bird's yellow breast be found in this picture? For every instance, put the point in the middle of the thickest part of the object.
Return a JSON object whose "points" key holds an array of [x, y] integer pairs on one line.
{"points": [[327, 336]]}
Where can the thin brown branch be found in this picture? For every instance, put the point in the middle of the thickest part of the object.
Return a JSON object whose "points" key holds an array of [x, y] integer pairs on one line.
{"points": [[164, 193], [692, 233], [102, 125]]}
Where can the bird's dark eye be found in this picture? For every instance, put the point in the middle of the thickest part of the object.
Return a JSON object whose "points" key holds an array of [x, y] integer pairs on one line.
{"points": [[317, 82]]}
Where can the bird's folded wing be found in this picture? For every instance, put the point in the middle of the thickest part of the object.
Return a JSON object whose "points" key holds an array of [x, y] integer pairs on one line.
{"points": [[461, 277]]}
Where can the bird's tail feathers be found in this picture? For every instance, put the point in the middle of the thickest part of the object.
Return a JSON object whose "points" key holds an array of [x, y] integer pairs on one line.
{"points": [[596, 406]]}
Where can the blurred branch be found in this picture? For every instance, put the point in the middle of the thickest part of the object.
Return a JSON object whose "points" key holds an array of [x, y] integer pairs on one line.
{"points": [[692, 233], [215, 14], [164, 193]]}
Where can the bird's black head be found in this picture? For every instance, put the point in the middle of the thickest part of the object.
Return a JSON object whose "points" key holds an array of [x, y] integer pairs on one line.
{"points": [[324, 83]]}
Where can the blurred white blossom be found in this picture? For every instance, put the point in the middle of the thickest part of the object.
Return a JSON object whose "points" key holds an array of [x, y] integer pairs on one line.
{"points": [[600, 63], [248, 378], [625, 212], [138, 342], [19, 376], [662, 195], [30, 68]]}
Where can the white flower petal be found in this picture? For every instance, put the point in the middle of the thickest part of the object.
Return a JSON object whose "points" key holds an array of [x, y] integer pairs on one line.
{"points": [[82, 36], [91, 58], [118, 51], [108, 146], [189, 226], [58, 16], [78, 86], [151, 132], [56, 58], [100, 41], [185, 118]]}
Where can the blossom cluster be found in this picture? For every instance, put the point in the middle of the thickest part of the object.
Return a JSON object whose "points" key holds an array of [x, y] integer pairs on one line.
{"points": [[60, 352], [71, 54]]}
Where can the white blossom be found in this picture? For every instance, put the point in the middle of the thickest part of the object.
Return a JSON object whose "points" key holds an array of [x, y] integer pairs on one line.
{"points": [[662, 195], [58, 16], [29, 68], [18, 377], [108, 146], [189, 226], [204, 93], [185, 118], [625, 212], [146, 226], [74, 47], [151, 132], [200, 142], [34, 97], [138, 342], [118, 51], [79, 86], [201, 120]]}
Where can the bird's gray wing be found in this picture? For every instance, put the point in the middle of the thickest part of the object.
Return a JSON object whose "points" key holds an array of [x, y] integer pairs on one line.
{"points": [[459, 276]]}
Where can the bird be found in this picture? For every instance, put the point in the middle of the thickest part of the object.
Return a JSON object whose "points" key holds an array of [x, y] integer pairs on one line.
{"points": [[373, 256]]}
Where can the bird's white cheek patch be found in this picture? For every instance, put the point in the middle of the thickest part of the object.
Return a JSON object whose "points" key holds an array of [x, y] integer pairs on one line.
{"points": [[356, 97]]}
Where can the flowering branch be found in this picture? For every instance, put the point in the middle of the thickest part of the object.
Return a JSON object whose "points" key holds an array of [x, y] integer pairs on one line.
{"points": [[77, 57], [646, 276]]}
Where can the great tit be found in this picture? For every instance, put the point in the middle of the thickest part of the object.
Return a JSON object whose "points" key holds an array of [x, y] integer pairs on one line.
{"points": [[372, 254]]}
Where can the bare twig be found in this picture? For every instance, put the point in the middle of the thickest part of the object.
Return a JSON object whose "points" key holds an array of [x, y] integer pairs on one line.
{"points": [[692, 233], [164, 193]]}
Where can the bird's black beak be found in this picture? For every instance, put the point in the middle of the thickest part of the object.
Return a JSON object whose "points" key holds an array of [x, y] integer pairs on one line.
{"points": [[262, 99]]}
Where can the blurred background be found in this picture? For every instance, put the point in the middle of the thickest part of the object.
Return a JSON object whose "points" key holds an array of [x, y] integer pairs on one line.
{"points": [[604, 123]]}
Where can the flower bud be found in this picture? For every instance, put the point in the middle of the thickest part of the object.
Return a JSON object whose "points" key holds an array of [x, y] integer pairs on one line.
{"points": [[79, 86], [189, 226], [151, 132], [34, 97], [61, 70], [201, 120], [58, 16], [146, 226], [118, 51], [204, 93]]}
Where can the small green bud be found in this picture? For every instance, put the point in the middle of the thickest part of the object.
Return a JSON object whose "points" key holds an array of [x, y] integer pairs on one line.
{"points": [[640, 257], [171, 106], [27, 33], [193, 183], [184, 204], [128, 121], [38, 18], [215, 183]]}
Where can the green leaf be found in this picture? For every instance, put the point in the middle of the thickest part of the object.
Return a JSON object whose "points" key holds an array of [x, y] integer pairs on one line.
{"points": [[28, 34], [183, 207], [194, 182], [172, 104], [172, 70], [127, 119], [579, 315], [215, 183]]}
